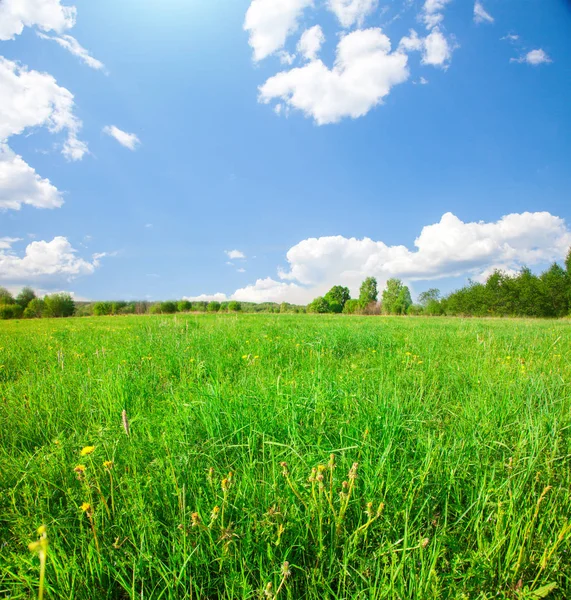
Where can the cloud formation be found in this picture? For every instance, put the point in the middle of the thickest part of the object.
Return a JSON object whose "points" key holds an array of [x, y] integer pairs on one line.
{"points": [[534, 58], [128, 140], [364, 72], [352, 12], [449, 248], [47, 15], [70, 44], [310, 42], [20, 184], [481, 15], [234, 254], [43, 261]]}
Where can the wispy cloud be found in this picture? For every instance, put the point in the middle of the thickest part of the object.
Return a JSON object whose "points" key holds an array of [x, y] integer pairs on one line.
{"points": [[74, 47], [534, 58], [129, 140]]}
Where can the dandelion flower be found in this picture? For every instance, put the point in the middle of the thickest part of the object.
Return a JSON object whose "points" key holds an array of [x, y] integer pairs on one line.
{"points": [[87, 450], [108, 464], [85, 506]]}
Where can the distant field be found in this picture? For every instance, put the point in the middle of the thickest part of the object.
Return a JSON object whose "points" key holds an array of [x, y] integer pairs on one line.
{"points": [[460, 431]]}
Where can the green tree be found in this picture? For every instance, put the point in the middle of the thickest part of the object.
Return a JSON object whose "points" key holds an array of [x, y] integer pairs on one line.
{"points": [[396, 298], [430, 303], [319, 305], [10, 311], [35, 309], [556, 288], [168, 307], [351, 307], [368, 292], [234, 306], [58, 305], [184, 306], [101, 309], [213, 306], [338, 295], [5, 296], [25, 296]]}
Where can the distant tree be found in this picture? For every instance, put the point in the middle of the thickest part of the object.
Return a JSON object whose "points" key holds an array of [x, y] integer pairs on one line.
{"points": [[568, 263], [234, 306], [25, 296], [368, 292], [351, 307], [35, 309], [199, 306], [168, 308], [285, 307], [556, 289], [430, 303], [10, 311], [396, 298], [213, 306], [155, 309], [58, 305], [319, 305], [101, 309], [338, 295], [184, 306], [5, 296]]}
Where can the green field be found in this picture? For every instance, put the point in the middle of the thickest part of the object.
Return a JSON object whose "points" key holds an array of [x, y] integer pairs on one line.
{"points": [[460, 431]]}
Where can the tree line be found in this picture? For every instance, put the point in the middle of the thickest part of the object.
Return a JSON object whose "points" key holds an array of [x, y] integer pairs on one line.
{"points": [[503, 295]]}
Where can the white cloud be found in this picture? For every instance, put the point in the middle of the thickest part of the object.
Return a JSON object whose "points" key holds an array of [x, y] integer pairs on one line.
{"points": [[233, 254], [219, 297], [511, 37], [365, 70], [6, 242], [449, 248], [423, 81], [534, 57], [481, 15], [44, 261], [33, 99], [286, 58], [129, 140], [352, 12], [241, 270], [72, 45], [310, 42], [270, 22], [435, 48], [47, 15], [432, 12], [20, 184]]}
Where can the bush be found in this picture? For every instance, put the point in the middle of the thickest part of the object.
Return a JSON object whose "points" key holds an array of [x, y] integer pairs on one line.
{"points": [[184, 306], [319, 305], [25, 296], [58, 305], [35, 309], [155, 309], [168, 308], [199, 306], [10, 311], [213, 306], [5, 296], [351, 307], [101, 309], [234, 306]]}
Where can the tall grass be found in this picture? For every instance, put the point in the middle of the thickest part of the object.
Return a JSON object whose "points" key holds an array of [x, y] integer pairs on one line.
{"points": [[284, 457]]}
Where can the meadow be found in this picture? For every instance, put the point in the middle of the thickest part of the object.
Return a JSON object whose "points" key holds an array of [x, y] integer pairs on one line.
{"points": [[285, 456]]}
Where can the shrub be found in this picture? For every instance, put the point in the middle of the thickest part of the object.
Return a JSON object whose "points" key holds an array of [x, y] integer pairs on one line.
{"points": [[102, 308], [319, 305], [184, 306], [234, 306], [25, 296], [168, 308], [10, 311], [5, 296], [351, 307], [213, 306], [58, 305], [155, 309], [199, 306], [35, 309]]}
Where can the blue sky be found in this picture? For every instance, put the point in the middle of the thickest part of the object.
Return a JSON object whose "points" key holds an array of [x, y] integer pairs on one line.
{"points": [[319, 168]]}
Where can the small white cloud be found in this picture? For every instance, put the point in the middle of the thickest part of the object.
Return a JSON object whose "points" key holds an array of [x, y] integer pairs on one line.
{"points": [[128, 140], [7, 242], [20, 184], [352, 12], [270, 22], [510, 37], [233, 254], [432, 12], [310, 42], [423, 81], [241, 270], [364, 73], [70, 44], [534, 58], [435, 48], [219, 297], [481, 15], [286, 58], [47, 15]]}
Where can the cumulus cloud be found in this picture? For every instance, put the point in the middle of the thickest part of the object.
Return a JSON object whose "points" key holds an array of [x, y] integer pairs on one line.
{"points": [[481, 15], [44, 261], [219, 297], [70, 44], [47, 15], [310, 42], [449, 248], [233, 254], [534, 58], [364, 73], [128, 140], [20, 184], [435, 48], [432, 12], [352, 12], [33, 99], [270, 22]]}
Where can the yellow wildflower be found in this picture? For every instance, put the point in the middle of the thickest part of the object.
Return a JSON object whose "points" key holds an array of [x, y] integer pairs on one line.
{"points": [[87, 450], [80, 469], [108, 464], [85, 506]]}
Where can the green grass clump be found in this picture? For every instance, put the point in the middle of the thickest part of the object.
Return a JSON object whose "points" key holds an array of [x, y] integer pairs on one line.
{"points": [[298, 457]]}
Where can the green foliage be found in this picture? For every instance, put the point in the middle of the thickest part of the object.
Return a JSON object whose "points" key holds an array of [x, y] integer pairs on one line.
{"points": [[338, 295], [101, 309], [460, 429], [199, 306], [5, 296], [351, 307], [319, 305], [10, 311], [155, 309], [234, 306], [58, 305], [368, 294], [213, 306], [184, 306], [396, 298], [25, 296], [168, 307], [35, 309]]}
